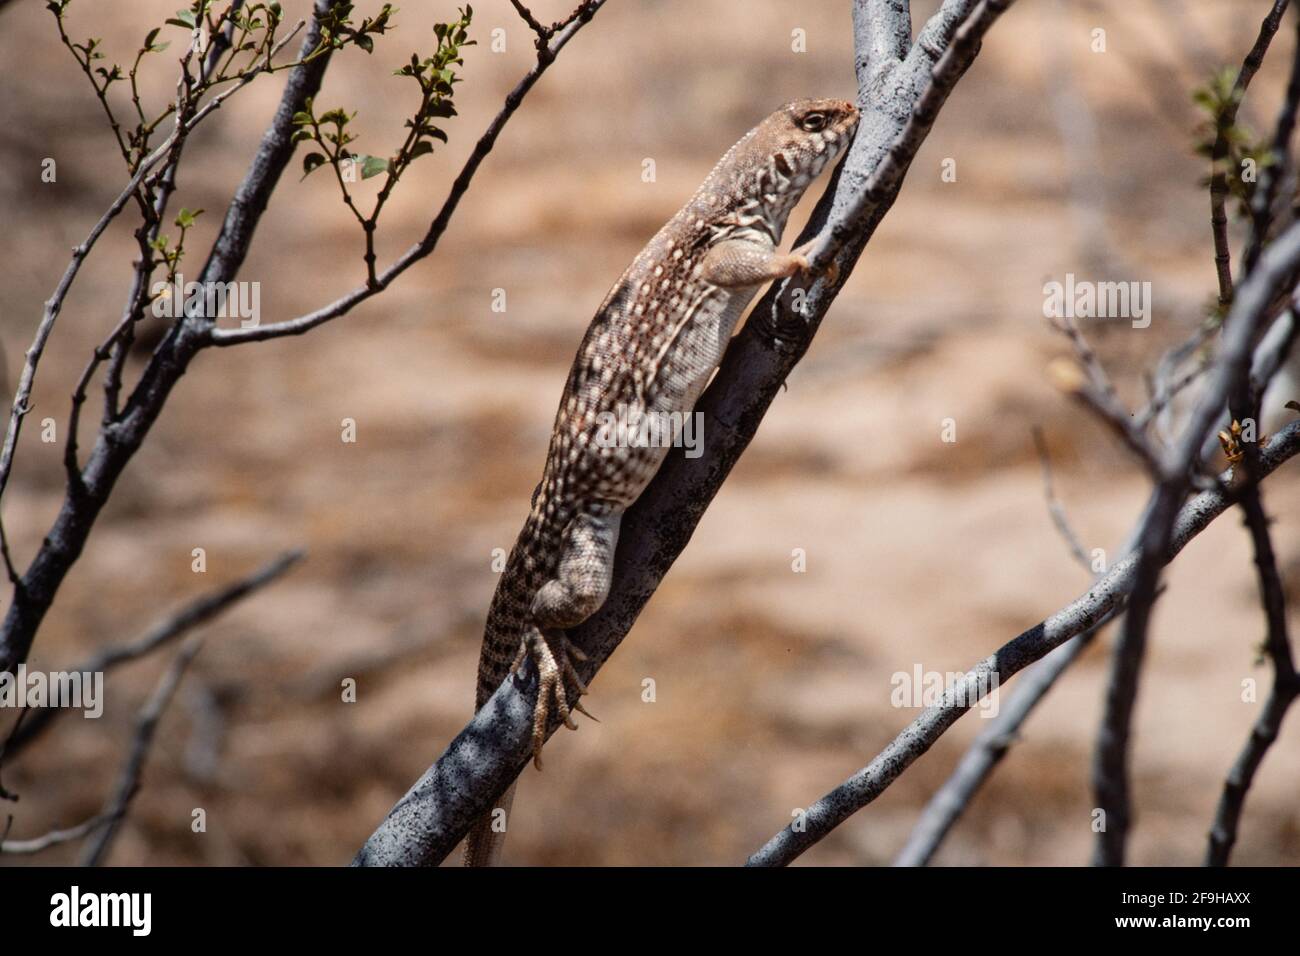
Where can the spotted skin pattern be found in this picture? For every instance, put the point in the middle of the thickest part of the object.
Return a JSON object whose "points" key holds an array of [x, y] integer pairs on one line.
{"points": [[651, 348]]}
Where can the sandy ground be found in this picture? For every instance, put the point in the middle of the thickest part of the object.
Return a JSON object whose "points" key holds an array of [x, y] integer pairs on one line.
{"points": [[772, 686]]}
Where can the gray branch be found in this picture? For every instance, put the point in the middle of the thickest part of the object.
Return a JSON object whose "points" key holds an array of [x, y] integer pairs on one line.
{"points": [[1092, 609]]}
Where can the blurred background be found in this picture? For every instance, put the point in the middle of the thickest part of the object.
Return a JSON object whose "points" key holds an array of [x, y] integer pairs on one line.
{"points": [[772, 686]]}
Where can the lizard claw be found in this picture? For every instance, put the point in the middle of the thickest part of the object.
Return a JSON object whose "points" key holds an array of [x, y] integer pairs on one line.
{"points": [[551, 652], [807, 252]]}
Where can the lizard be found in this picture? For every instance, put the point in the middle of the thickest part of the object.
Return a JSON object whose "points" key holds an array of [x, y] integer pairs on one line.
{"points": [[653, 345]]}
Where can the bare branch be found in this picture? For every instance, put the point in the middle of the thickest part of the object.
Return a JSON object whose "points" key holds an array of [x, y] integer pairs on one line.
{"points": [[986, 752], [882, 31], [1098, 605], [1054, 506], [937, 34], [1286, 687], [1270, 177], [1094, 390], [146, 726], [194, 614], [54, 837], [956, 58], [1276, 268]]}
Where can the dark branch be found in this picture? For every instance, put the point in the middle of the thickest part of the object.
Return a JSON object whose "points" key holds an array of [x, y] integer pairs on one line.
{"points": [[192, 615]]}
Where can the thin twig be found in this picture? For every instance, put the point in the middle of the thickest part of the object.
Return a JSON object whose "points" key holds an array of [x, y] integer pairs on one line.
{"points": [[1271, 176], [146, 726], [1095, 391], [1219, 153], [1054, 506], [426, 245], [54, 837], [198, 612]]}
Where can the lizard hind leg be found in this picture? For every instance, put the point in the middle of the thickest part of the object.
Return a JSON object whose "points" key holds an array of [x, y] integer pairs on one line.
{"points": [[553, 654], [580, 586]]}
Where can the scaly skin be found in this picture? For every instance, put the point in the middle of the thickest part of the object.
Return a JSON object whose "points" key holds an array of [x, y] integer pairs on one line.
{"points": [[651, 348]]}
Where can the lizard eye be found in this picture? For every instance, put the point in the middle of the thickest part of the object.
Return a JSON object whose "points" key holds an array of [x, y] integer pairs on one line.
{"points": [[813, 122]]}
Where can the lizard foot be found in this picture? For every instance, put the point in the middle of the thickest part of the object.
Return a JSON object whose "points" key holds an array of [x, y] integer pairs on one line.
{"points": [[808, 251], [553, 653]]}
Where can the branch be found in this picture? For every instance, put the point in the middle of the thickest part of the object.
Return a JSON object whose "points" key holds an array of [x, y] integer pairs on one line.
{"points": [[54, 837], [192, 615], [1098, 605], [1219, 154], [882, 35], [982, 757], [21, 404], [488, 754], [118, 441], [954, 59], [345, 304], [1286, 686], [1243, 324], [146, 725], [1093, 389], [1270, 177]]}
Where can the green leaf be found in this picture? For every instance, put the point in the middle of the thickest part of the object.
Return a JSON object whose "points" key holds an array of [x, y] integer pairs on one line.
{"points": [[422, 148], [372, 166], [186, 17], [311, 162], [185, 218], [301, 119], [365, 42], [150, 37], [159, 47]]}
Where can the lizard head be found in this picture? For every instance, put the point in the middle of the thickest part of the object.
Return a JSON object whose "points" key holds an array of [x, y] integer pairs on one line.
{"points": [[763, 177], [805, 136]]}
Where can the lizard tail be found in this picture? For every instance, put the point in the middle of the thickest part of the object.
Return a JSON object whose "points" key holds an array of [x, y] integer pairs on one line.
{"points": [[483, 844]]}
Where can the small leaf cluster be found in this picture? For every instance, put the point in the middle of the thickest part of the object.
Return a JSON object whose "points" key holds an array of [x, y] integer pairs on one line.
{"points": [[436, 77], [1219, 99], [337, 28]]}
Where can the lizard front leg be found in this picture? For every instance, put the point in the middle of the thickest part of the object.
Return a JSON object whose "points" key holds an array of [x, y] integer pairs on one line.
{"points": [[579, 588], [741, 262]]}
